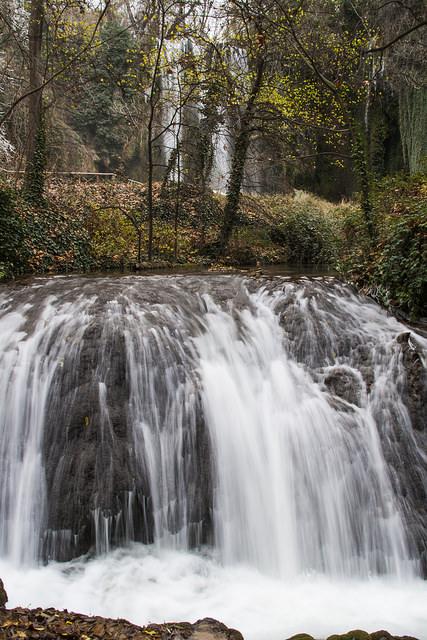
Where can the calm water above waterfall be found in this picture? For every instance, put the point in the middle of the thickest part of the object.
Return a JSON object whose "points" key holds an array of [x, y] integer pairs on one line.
{"points": [[264, 439]]}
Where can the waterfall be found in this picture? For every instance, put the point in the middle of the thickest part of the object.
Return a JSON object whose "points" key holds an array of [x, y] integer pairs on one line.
{"points": [[179, 114], [222, 160], [299, 488], [267, 419], [29, 359]]}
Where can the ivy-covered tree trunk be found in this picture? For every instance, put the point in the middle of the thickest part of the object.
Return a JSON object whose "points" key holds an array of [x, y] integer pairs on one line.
{"points": [[240, 153], [154, 97], [362, 169], [35, 168], [35, 133]]}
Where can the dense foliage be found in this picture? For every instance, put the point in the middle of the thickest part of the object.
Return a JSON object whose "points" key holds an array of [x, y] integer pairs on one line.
{"points": [[12, 233], [90, 225], [36, 239], [394, 268], [309, 229]]}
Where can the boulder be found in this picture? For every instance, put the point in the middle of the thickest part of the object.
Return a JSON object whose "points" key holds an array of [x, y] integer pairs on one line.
{"points": [[3, 595], [210, 629], [345, 384], [415, 387], [355, 634]]}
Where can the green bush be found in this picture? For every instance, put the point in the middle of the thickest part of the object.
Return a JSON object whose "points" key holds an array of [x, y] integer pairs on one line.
{"points": [[112, 237], [394, 268], [401, 269], [309, 229]]}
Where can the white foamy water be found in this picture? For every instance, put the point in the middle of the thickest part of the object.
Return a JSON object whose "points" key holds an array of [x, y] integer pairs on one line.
{"points": [[144, 585]]}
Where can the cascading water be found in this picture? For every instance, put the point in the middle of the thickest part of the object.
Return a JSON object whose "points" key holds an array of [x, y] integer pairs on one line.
{"points": [[264, 430], [222, 160], [299, 488], [28, 363]]}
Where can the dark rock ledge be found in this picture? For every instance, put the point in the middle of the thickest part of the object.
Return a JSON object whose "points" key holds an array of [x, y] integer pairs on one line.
{"points": [[51, 624]]}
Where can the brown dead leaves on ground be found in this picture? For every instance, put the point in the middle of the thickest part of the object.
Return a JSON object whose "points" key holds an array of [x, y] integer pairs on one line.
{"points": [[50, 624]]}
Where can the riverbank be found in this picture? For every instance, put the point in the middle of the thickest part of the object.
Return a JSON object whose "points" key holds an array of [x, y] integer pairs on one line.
{"points": [[90, 227]]}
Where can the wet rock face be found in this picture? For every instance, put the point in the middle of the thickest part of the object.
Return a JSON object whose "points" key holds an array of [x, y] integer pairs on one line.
{"points": [[319, 336], [3, 595], [97, 443], [99, 432], [343, 383], [415, 384], [87, 445], [412, 474]]}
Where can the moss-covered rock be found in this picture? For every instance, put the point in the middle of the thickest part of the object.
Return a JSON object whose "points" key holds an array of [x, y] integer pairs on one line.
{"points": [[381, 635], [355, 634]]}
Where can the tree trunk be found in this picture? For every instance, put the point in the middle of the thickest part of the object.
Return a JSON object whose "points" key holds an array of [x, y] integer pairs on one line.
{"points": [[150, 139], [361, 165], [35, 106], [239, 159], [139, 234], [169, 171], [150, 194]]}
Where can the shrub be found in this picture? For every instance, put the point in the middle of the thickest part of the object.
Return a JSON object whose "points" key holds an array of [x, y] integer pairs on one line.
{"points": [[309, 229], [394, 269], [401, 268], [113, 240], [38, 238]]}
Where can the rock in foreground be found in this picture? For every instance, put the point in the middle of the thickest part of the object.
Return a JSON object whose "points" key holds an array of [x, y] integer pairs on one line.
{"points": [[3, 595], [51, 624]]}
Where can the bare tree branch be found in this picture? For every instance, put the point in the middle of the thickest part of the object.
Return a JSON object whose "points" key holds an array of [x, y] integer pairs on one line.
{"points": [[420, 25]]}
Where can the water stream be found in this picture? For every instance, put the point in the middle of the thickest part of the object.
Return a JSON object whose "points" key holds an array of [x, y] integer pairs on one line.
{"points": [[247, 449]]}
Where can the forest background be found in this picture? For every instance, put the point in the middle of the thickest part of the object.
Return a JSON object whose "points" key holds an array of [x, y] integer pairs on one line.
{"points": [[150, 133]]}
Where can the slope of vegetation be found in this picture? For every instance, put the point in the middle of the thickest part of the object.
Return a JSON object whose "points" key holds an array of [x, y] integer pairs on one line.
{"points": [[100, 226], [393, 268]]}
